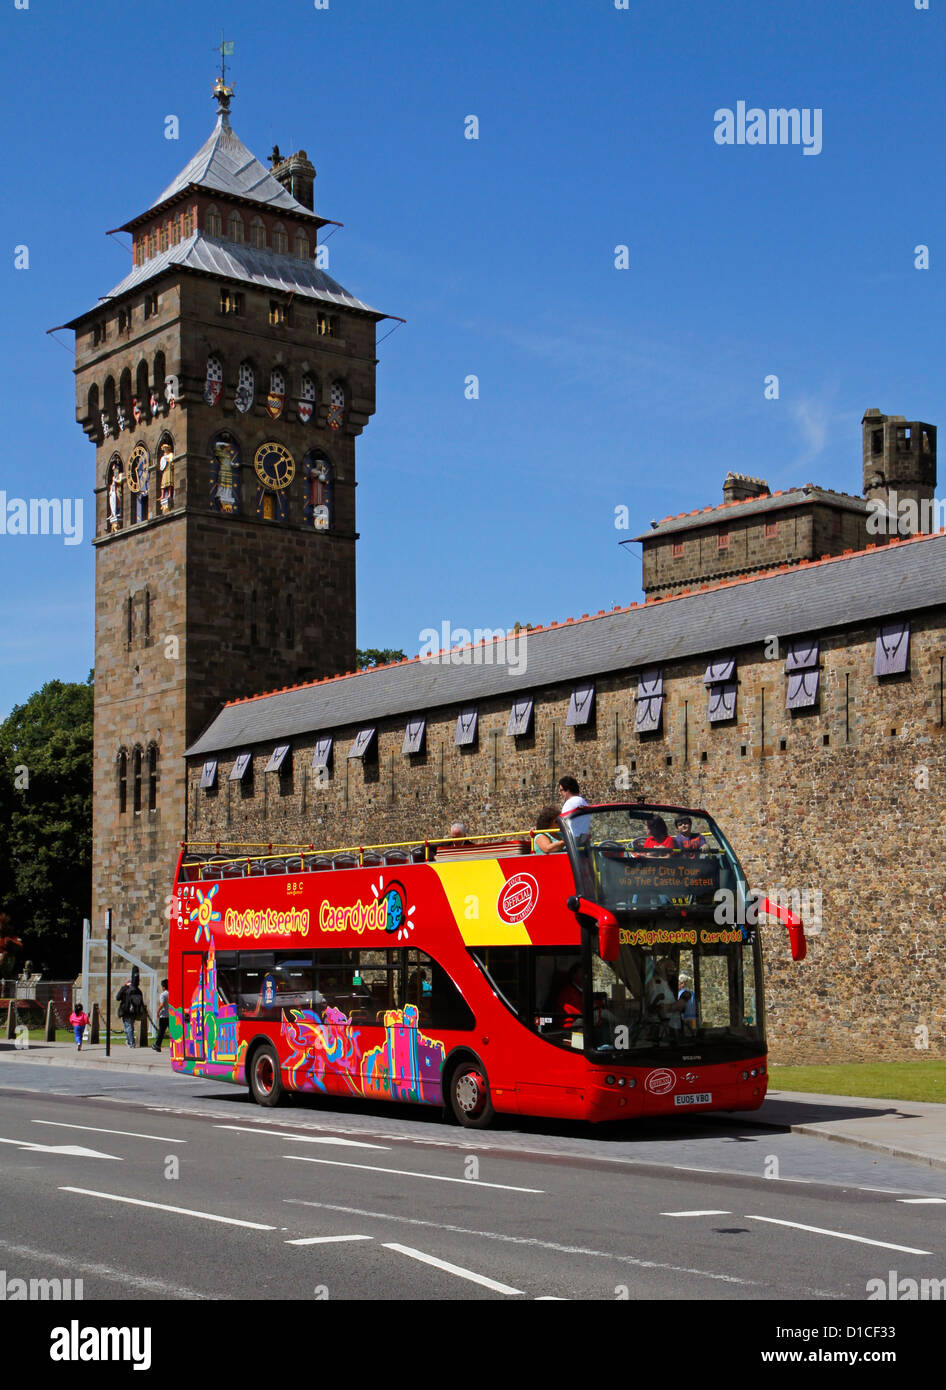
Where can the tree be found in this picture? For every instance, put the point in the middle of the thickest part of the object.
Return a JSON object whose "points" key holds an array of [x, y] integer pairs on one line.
{"points": [[46, 823], [376, 656]]}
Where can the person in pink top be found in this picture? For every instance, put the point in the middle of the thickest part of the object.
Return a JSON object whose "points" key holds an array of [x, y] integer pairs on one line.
{"points": [[80, 1021]]}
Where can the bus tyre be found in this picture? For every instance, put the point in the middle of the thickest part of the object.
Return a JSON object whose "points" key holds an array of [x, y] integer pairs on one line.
{"points": [[469, 1096], [266, 1086]]}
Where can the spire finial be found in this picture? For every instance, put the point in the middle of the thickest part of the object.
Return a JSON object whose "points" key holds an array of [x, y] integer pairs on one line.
{"points": [[222, 92]]}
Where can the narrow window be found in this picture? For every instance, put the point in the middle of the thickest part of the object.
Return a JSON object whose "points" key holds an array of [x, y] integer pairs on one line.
{"points": [[152, 777], [189, 223], [235, 227], [678, 550], [212, 222], [122, 782], [147, 623], [771, 530], [136, 773], [722, 540]]}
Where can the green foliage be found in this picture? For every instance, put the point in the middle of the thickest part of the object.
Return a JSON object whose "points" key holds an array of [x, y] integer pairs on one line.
{"points": [[376, 656], [46, 824]]}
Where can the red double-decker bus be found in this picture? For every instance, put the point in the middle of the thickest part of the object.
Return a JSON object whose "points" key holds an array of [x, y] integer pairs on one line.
{"points": [[592, 981]]}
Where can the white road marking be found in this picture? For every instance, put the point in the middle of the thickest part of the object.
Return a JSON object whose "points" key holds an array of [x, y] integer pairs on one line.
{"points": [[67, 1150], [325, 1240], [451, 1269], [403, 1173], [304, 1138], [523, 1240], [840, 1235], [94, 1129], [78, 1267], [922, 1201], [161, 1206], [695, 1213]]}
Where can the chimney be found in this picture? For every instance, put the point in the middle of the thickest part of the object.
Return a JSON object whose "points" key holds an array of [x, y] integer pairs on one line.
{"points": [[737, 487], [296, 175]]}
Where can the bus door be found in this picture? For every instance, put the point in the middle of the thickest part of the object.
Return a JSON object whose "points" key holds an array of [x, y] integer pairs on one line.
{"points": [[192, 1004]]}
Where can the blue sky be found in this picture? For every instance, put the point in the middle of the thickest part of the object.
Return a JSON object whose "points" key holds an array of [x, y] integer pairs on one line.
{"points": [[599, 387]]}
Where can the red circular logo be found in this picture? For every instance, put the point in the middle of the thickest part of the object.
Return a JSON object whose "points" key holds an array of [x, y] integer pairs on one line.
{"points": [[659, 1082], [517, 897]]}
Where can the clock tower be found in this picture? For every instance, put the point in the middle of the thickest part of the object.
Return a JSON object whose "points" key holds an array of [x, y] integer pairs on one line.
{"points": [[223, 383]]}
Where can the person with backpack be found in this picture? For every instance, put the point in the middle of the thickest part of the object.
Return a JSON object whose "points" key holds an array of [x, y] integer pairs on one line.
{"points": [[131, 1005]]}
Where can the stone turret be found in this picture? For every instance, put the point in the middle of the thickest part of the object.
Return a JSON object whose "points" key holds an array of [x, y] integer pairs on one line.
{"points": [[899, 458]]}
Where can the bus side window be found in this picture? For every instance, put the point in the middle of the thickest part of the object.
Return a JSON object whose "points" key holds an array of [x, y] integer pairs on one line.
{"points": [[227, 976], [440, 1004]]}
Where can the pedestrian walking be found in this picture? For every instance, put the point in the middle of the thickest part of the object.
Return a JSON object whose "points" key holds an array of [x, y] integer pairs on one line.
{"points": [[80, 1021], [163, 1016], [131, 1005]]}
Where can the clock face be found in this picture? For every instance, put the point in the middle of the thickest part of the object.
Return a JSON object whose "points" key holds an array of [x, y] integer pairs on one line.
{"points": [[275, 466], [138, 470]]}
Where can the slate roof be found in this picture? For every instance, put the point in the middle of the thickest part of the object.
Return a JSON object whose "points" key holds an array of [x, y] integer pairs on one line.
{"points": [[840, 591], [251, 265], [751, 506], [223, 164]]}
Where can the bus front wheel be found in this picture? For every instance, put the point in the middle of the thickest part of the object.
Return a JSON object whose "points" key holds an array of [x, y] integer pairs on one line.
{"points": [[469, 1096], [266, 1086]]}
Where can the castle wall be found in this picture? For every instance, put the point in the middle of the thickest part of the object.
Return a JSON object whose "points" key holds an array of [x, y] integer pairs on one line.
{"points": [[841, 801]]}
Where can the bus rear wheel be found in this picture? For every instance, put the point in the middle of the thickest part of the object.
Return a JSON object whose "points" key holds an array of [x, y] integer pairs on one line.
{"points": [[469, 1096], [266, 1086]]}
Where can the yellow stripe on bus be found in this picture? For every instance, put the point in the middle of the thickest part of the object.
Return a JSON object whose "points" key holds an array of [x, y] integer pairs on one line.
{"points": [[473, 885]]}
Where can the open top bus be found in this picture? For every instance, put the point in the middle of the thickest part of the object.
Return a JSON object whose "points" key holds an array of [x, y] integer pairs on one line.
{"points": [[592, 982]]}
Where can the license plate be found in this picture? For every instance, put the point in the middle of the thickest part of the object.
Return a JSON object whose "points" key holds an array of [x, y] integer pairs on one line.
{"points": [[699, 1098]]}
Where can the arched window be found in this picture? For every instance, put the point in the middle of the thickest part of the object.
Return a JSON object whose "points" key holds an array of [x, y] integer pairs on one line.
{"points": [[302, 246], [93, 410], [163, 237], [140, 251], [122, 782], [158, 401], [140, 406], [280, 239], [235, 227], [152, 246], [318, 481], [212, 223], [108, 408], [258, 233], [175, 229], [152, 777], [136, 781], [189, 222], [124, 400], [114, 495]]}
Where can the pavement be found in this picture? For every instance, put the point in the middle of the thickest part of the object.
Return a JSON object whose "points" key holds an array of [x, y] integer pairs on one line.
{"points": [[913, 1130]]}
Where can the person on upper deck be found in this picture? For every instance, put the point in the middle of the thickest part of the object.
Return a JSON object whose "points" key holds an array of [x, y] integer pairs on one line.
{"points": [[658, 836], [569, 794], [684, 838], [546, 820]]}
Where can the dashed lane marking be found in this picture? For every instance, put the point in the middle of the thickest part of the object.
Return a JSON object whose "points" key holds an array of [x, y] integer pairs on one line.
{"points": [[448, 1268], [161, 1206]]}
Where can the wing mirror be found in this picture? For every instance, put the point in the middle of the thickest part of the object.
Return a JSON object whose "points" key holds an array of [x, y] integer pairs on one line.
{"points": [[591, 914]]}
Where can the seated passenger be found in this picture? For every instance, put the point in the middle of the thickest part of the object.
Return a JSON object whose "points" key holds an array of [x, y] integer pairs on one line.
{"points": [[661, 998], [688, 999], [658, 836], [547, 819], [684, 838], [569, 1002]]}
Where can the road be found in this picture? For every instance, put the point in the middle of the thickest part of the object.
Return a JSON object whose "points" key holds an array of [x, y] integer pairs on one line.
{"points": [[162, 1187]]}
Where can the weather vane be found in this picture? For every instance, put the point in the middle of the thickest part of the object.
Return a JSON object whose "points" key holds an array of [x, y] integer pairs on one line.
{"points": [[222, 92]]}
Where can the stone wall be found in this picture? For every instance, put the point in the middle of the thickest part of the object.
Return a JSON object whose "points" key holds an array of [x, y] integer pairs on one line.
{"points": [[842, 800]]}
